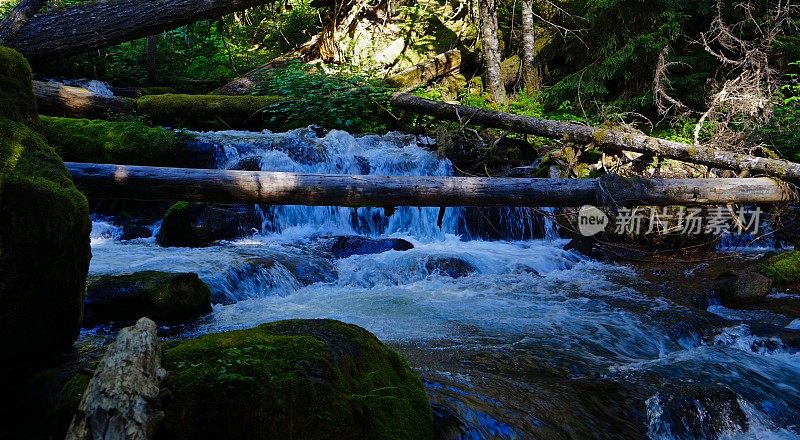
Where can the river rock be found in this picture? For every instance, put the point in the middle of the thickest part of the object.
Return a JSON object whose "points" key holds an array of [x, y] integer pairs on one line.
{"points": [[306, 270], [741, 287], [44, 230], [162, 296], [304, 379], [698, 412], [453, 267], [200, 224], [347, 246]]}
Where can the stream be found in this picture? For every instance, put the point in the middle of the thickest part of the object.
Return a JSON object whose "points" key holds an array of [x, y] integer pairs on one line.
{"points": [[514, 338]]}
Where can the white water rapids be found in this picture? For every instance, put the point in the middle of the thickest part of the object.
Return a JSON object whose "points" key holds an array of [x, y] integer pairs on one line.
{"points": [[534, 341]]}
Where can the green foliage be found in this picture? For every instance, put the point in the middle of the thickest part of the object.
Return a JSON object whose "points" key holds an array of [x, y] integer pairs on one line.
{"points": [[783, 130], [95, 141], [335, 101], [310, 379]]}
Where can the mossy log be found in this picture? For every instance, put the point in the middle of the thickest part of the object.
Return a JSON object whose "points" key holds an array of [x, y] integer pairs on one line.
{"points": [[66, 31], [185, 111], [428, 70], [603, 138], [227, 186], [121, 401]]}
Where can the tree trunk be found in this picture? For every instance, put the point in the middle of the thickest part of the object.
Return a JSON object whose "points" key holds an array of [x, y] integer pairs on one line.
{"points": [[603, 138], [225, 186], [491, 51], [428, 70], [89, 26], [152, 46], [121, 401], [18, 18], [530, 71]]}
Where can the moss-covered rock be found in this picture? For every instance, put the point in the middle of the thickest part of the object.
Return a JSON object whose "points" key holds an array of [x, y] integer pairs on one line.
{"points": [[130, 143], [161, 296], [205, 111], [309, 379], [69, 400], [200, 224], [782, 269], [44, 230]]}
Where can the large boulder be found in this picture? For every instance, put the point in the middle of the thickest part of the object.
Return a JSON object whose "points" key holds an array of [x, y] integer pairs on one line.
{"points": [[44, 230], [200, 224], [741, 288], [309, 379], [161, 296]]}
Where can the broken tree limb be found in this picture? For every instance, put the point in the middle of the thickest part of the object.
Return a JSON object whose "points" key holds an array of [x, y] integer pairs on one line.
{"points": [[18, 18], [226, 186], [603, 138], [72, 30], [426, 71], [121, 401]]}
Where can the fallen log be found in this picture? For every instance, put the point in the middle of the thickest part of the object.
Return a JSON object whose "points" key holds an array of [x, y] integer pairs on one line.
{"points": [[121, 400], [18, 18], [198, 112], [602, 138], [100, 181], [426, 71], [72, 30]]}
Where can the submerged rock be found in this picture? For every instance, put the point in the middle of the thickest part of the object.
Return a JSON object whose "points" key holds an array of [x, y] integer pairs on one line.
{"points": [[453, 267], [161, 296], [696, 412], [309, 379], [348, 246], [199, 224], [44, 230], [741, 287]]}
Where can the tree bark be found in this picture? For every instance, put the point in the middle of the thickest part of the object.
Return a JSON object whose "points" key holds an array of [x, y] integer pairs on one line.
{"points": [[603, 138], [491, 50], [428, 70], [55, 99], [152, 47], [18, 18], [121, 401], [530, 71], [89, 26], [225, 186]]}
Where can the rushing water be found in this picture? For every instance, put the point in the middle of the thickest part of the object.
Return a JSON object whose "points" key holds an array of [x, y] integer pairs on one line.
{"points": [[524, 340]]}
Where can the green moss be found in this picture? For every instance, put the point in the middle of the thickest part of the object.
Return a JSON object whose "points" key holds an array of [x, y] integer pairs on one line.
{"points": [[44, 247], [783, 268], [131, 143], [204, 111], [17, 102], [162, 296], [69, 400], [309, 379]]}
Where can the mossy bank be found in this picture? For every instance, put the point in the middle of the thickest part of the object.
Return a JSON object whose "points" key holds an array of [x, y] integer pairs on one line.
{"points": [[44, 229], [303, 379]]}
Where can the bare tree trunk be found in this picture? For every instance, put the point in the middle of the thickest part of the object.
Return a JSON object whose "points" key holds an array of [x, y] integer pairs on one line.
{"points": [[18, 17], [604, 138], [121, 401], [152, 47], [491, 50], [530, 71], [226, 186], [89, 26]]}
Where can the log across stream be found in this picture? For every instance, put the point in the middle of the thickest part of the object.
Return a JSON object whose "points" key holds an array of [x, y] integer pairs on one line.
{"points": [[228, 186]]}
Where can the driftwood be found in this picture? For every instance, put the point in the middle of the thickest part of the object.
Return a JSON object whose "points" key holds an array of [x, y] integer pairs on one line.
{"points": [[18, 18], [225, 186], [121, 401], [62, 32], [603, 138], [428, 70]]}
